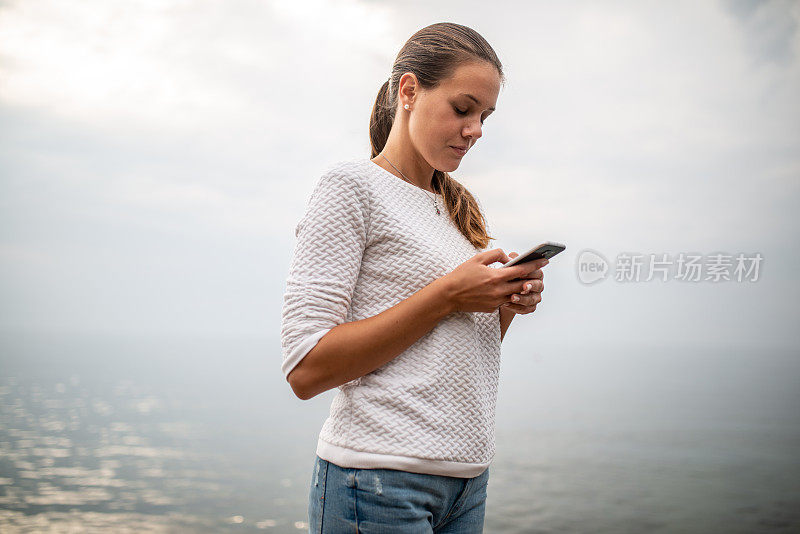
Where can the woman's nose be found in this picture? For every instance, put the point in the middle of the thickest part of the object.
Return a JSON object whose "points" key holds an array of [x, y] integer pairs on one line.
{"points": [[473, 130]]}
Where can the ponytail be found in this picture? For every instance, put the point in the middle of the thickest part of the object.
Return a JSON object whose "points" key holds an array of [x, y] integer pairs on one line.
{"points": [[381, 119]]}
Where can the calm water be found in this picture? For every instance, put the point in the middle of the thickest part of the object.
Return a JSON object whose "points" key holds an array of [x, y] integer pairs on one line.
{"points": [[104, 434]]}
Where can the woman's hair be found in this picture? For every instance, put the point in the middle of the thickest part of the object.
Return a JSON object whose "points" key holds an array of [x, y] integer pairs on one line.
{"points": [[433, 54]]}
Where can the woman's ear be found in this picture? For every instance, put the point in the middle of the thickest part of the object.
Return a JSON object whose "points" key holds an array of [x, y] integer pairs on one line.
{"points": [[407, 89]]}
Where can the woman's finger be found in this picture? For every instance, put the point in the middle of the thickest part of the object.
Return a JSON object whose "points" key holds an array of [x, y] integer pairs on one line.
{"points": [[537, 274], [520, 309], [534, 286], [526, 300]]}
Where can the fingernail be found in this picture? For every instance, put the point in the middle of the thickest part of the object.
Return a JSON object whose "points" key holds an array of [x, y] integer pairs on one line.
{"points": [[528, 287], [515, 298]]}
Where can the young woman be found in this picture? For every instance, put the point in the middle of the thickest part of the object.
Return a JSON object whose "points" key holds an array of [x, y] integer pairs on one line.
{"points": [[387, 300]]}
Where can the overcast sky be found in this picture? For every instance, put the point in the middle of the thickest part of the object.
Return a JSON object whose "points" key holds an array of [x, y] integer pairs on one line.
{"points": [[156, 156]]}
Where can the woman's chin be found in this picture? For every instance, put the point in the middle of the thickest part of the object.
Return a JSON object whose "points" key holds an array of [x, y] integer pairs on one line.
{"points": [[449, 166], [445, 162]]}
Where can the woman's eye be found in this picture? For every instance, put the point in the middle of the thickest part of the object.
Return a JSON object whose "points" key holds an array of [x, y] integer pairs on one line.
{"points": [[464, 112]]}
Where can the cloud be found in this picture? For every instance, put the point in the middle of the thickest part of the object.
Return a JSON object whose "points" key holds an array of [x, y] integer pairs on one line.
{"points": [[134, 130]]}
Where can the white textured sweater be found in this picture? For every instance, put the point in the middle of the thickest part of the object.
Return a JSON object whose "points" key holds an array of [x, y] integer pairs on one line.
{"points": [[367, 241]]}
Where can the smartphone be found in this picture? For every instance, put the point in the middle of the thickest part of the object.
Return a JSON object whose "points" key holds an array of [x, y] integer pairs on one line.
{"points": [[548, 249]]}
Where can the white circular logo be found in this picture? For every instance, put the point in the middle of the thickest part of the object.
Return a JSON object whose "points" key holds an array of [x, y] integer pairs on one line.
{"points": [[591, 266]]}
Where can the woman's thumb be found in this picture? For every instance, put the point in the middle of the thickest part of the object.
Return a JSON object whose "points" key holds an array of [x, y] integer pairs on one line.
{"points": [[493, 256]]}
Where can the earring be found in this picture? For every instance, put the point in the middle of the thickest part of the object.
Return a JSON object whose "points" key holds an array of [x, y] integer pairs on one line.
{"points": [[406, 106]]}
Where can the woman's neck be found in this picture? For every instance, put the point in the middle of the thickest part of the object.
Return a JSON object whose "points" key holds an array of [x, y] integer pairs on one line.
{"points": [[407, 160]]}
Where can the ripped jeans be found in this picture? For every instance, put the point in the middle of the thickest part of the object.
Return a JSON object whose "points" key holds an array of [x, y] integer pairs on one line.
{"points": [[348, 500]]}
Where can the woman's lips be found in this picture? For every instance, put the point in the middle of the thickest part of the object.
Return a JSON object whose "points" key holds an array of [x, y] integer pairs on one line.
{"points": [[459, 151]]}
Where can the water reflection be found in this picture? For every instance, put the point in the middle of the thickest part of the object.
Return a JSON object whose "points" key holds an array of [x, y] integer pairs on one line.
{"points": [[202, 437], [74, 459]]}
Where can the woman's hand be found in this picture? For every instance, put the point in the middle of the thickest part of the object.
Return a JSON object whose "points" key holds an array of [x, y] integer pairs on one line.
{"points": [[473, 286], [533, 284]]}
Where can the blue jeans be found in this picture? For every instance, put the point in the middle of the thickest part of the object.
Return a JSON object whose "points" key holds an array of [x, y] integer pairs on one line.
{"points": [[349, 500]]}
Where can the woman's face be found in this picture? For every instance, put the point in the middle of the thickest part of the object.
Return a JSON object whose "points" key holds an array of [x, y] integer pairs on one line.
{"points": [[450, 116]]}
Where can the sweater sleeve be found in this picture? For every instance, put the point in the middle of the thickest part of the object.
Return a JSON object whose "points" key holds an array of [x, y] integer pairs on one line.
{"points": [[331, 238]]}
